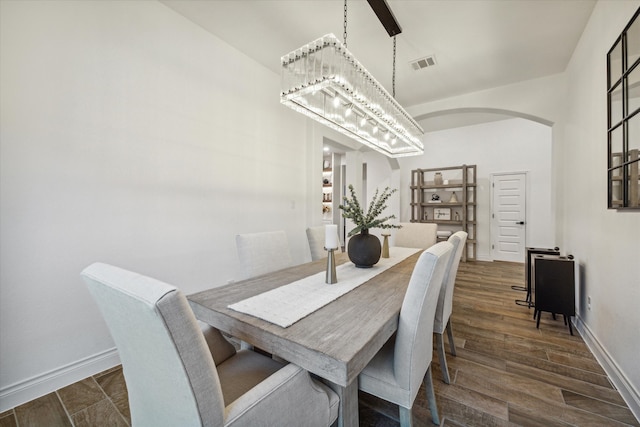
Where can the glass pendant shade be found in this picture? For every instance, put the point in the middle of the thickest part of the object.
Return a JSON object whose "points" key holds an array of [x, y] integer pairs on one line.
{"points": [[324, 81]]}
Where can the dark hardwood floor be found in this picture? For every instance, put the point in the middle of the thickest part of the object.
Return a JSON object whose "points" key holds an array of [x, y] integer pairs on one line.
{"points": [[506, 372]]}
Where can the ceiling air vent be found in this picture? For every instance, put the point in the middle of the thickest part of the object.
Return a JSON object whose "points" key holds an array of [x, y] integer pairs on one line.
{"points": [[427, 61]]}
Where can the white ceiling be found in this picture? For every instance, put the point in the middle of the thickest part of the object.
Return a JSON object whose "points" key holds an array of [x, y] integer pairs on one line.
{"points": [[478, 44]]}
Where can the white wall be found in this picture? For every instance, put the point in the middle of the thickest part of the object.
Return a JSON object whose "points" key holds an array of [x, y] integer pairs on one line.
{"points": [[130, 136], [540, 100], [513, 145], [381, 173], [605, 242], [536, 99]]}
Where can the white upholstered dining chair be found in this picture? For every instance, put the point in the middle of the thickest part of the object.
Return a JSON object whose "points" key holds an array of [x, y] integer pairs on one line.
{"points": [[261, 253], [445, 302], [180, 372], [397, 371], [416, 235], [316, 238]]}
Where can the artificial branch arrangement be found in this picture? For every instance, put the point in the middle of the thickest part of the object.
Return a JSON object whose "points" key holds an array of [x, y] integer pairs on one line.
{"points": [[352, 210]]}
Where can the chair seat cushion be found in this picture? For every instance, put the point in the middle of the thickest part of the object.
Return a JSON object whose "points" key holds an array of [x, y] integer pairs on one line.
{"points": [[334, 400], [377, 377], [243, 371]]}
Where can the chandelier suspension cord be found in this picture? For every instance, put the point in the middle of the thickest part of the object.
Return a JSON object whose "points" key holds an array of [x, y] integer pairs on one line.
{"points": [[344, 35], [393, 79]]}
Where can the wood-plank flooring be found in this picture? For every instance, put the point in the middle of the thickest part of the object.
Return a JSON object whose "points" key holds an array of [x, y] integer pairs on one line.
{"points": [[506, 372]]}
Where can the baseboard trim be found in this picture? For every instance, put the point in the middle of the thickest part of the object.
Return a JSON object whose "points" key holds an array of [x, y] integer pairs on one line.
{"points": [[34, 387], [628, 392]]}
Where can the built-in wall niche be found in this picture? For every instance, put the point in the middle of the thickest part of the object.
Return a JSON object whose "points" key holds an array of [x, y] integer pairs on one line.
{"points": [[623, 105], [327, 189]]}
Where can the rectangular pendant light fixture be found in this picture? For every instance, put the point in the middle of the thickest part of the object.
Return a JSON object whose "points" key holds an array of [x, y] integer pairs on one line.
{"points": [[324, 81]]}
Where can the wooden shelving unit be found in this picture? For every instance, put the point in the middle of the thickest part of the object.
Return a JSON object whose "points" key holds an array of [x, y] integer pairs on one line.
{"points": [[456, 208]]}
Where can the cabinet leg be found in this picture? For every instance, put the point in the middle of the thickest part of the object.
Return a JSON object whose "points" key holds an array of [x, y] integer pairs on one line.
{"points": [[567, 320]]}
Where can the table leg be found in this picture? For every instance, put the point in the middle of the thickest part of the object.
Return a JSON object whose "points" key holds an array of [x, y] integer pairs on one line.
{"points": [[348, 412]]}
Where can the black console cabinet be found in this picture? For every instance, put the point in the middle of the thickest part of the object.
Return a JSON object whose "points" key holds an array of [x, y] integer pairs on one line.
{"points": [[554, 286], [528, 265]]}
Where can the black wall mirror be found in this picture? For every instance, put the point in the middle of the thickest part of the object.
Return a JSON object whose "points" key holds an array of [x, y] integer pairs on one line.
{"points": [[623, 125]]}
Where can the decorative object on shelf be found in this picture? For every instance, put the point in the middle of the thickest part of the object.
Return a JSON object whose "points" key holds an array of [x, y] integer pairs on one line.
{"points": [[437, 178], [363, 248], [326, 164], [385, 245], [325, 82], [325, 181], [331, 244], [435, 198], [326, 209], [453, 198], [456, 216], [443, 214]]}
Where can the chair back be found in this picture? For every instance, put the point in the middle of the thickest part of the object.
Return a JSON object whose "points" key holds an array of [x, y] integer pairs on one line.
{"points": [[262, 253], [445, 300], [416, 235], [315, 236], [414, 338], [170, 374]]}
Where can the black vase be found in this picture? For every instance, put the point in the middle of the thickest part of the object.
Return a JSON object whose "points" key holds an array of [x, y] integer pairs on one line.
{"points": [[364, 249]]}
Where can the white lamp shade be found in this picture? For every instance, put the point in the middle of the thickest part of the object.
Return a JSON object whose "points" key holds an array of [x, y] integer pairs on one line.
{"points": [[331, 236]]}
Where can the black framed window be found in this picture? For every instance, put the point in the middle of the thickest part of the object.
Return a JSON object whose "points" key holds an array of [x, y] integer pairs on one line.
{"points": [[623, 122]]}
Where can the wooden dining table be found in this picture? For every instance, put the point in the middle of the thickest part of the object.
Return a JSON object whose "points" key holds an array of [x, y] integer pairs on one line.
{"points": [[335, 342]]}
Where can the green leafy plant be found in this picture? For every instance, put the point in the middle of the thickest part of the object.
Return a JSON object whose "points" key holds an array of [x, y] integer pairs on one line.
{"points": [[352, 210]]}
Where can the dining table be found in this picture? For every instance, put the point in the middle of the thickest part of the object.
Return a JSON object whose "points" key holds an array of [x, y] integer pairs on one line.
{"points": [[336, 341]]}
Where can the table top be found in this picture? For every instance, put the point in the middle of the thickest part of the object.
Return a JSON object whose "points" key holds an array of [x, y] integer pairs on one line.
{"points": [[335, 342]]}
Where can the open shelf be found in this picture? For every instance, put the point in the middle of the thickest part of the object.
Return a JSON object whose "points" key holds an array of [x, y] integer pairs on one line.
{"points": [[454, 215]]}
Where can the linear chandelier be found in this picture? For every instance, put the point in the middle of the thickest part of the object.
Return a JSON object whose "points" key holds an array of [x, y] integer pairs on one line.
{"points": [[324, 81]]}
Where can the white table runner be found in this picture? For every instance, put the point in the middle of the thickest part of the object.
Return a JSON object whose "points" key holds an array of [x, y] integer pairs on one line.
{"points": [[287, 304]]}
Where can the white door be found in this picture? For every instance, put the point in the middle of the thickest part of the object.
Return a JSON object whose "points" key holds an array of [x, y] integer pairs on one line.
{"points": [[508, 222]]}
